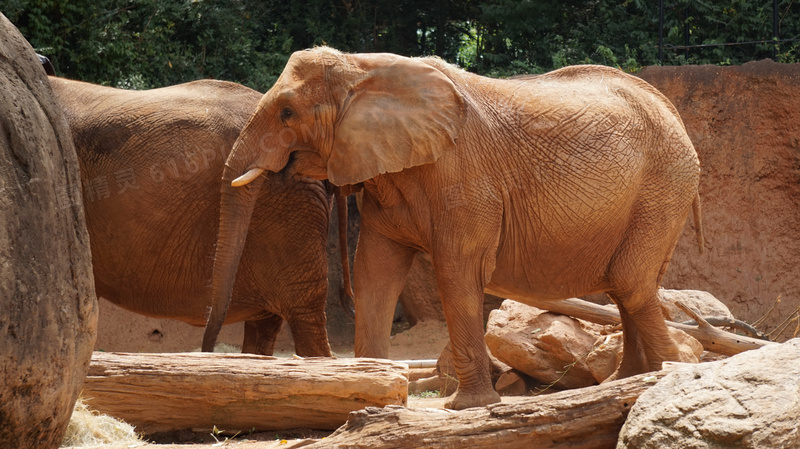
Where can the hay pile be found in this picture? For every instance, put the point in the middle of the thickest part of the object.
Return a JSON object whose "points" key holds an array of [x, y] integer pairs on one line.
{"points": [[89, 428]]}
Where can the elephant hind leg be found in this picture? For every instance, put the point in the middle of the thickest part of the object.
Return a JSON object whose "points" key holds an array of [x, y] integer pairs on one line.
{"points": [[635, 275], [309, 334], [260, 335], [646, 339]]}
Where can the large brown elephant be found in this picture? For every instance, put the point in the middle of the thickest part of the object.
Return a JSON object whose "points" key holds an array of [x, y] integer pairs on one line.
{"points": [[575, 182], [151, 164]]}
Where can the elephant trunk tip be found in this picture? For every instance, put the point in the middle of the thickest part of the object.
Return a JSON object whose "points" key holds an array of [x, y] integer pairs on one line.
{"points": [[248, 177]]}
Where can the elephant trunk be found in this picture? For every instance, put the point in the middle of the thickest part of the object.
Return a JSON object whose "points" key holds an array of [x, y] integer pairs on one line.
{"points": [[236, 210], [255, 151]]}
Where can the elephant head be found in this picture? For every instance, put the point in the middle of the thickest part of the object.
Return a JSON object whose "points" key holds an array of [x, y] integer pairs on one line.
{"points": [[346, 118]]}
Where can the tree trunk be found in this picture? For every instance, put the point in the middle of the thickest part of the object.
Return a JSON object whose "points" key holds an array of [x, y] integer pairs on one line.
{"points": [[238, 392], [587, 418]]}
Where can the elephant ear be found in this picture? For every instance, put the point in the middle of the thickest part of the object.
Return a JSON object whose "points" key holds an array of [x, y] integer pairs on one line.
{"points": [[402, 113]]}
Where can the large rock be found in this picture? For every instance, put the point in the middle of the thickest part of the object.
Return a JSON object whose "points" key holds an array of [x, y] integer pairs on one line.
{"points": [[49, 310], [704, 303], [548, 347], [560, 350], [751, 400]]}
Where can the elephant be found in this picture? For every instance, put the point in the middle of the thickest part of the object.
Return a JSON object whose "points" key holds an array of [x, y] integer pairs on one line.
{"points": [[151, 163], [576, 182]]}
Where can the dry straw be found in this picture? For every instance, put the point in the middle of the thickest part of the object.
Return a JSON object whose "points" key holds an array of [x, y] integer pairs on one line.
{"points": [[89, 428]]}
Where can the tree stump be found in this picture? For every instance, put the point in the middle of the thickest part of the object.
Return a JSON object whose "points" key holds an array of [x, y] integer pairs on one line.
{"points": [[49, 309], [238, 392]]}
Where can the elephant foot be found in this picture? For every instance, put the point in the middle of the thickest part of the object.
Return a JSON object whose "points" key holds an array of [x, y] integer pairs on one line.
{"points": [[460, 400], [626, 370], [614, 376]]}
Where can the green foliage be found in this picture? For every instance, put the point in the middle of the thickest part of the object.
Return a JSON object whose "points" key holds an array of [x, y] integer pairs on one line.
{"points": [[140, 44], [151, 43], [428, 394]]}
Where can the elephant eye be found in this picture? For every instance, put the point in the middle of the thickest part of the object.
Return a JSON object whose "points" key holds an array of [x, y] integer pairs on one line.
{"points": [[286, 114]]}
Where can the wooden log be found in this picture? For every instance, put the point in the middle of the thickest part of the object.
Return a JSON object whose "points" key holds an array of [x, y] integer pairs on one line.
{"points": [[238, 392], [712, 338], [586, 418]]}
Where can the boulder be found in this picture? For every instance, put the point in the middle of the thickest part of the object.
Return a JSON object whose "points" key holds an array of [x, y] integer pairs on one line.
{"points": [[548, 347], [560, 350], [607, 353], [751, 400], [704, 303], [47, 298]]}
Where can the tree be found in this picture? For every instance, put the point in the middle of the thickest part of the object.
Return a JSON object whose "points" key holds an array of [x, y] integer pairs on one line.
{"points": [[150, 43]]}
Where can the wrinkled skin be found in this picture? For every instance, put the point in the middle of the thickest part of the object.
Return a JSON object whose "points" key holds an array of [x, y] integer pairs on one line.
{"points": [[151, 163], [571, 183]]}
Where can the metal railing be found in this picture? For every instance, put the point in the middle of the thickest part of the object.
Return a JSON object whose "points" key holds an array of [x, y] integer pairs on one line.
{"points": [[775, 35]]}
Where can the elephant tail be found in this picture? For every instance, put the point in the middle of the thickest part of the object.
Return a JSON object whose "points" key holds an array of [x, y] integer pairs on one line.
{"points": [[347, 298], [698, 222]]}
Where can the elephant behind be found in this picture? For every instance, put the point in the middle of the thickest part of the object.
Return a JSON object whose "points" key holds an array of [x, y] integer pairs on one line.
{"points": [[151, 164]]}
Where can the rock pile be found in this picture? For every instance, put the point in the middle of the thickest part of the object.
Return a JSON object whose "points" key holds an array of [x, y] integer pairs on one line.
{"points": [[546, 350]]}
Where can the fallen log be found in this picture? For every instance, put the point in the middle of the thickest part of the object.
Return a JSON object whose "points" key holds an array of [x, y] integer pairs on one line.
{"points": [[586, 418], [238, 392], [712, 338]]}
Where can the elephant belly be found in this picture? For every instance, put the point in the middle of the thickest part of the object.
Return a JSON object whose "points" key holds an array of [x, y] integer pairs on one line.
{"points": [[537, 281], [558, 239], [160, 292], [538, 264], [191, 308]]}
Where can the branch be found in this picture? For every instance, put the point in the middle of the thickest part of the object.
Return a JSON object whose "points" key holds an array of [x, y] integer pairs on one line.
{"points": [[713, 339]]}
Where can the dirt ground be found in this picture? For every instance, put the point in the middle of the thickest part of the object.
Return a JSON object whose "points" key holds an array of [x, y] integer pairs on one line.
{"points": [[123, 331]]}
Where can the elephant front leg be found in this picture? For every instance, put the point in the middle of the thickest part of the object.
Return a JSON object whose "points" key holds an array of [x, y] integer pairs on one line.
{"points": [[461, 291], [379, 274]]}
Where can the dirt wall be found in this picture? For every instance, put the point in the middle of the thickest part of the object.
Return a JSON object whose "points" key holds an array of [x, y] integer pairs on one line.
{"points": [[745, 124]]}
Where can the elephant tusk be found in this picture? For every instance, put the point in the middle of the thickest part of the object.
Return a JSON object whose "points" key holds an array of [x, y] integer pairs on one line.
{"points": [[248, 177]]}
